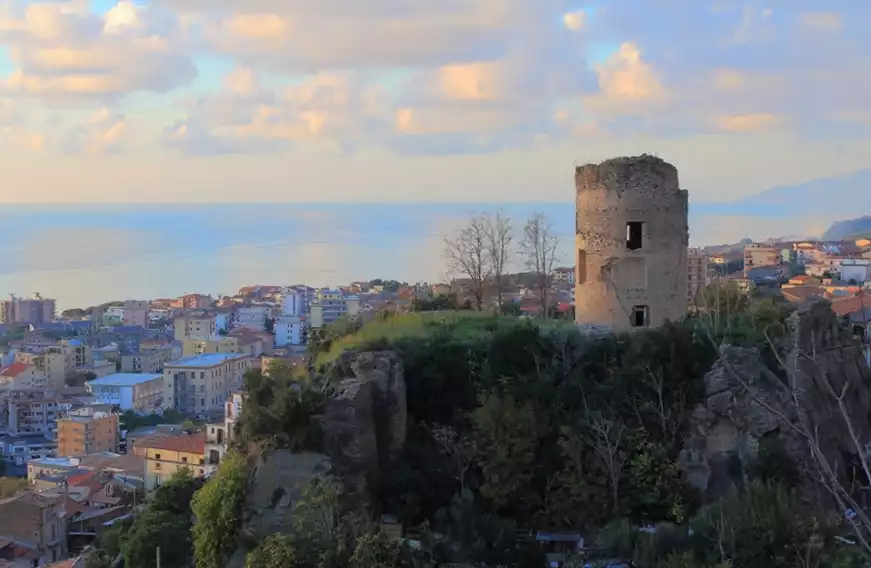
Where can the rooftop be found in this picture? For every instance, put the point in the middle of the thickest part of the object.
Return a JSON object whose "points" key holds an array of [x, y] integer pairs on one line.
{"points": [[124, 379], [192, 443], [205, 360], [14, 369]]}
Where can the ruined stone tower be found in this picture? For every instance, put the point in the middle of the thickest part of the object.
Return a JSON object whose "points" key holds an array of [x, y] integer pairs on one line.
{"points": [[631, 237]]}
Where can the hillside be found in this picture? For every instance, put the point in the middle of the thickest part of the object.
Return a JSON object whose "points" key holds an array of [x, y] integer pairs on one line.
{"points": [[849, 229]]}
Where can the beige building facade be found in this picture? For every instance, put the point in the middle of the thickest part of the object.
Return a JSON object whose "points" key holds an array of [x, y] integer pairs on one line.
{"points": [[201, 384], [194, 326], [631, 240]]}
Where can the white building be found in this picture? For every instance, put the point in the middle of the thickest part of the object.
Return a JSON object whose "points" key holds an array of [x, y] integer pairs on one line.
{"points": [[289, 330], [858, 269], [200, 385], [252, 317], [129, 391]]}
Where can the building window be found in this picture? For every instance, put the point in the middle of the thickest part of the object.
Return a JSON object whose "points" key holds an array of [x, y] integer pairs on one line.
{"points": [[640, 316], [184, 460], [157, 465], [581, 270], [157, 456], [633, 234]]}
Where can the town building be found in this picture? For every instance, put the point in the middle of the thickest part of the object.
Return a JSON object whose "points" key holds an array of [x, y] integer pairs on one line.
{"points": [[563, 274], [129, 391], [242, 341], [87, 431], [33, 310], [252, 317], [697, 273], [199, 385], [330, 305], [36, 524], [22, 376], [197, 325], [135, 312], [631, 239], [164, 455], [192, 302], [149, 361], [757, 255]]}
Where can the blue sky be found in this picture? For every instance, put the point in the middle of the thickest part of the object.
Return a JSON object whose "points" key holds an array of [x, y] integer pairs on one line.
{"points": [[403, 100]]}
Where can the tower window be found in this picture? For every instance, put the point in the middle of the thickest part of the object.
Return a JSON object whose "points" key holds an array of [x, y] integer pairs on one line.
{"points": [[633, 235], [581, 270], [640, 316]]}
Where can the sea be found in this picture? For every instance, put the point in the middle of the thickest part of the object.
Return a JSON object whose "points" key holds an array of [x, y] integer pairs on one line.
{"points": [[86, 254]]}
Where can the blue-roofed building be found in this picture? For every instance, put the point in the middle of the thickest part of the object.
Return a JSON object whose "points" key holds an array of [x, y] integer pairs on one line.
{"points": [[129, 391], [199, 385]]}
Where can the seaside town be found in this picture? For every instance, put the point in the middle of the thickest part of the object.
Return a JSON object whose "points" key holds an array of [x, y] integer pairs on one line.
{"points": [[101, 405]]}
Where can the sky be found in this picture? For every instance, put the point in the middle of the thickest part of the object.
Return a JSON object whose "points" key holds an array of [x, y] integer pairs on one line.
{"points": [[416, 100]]}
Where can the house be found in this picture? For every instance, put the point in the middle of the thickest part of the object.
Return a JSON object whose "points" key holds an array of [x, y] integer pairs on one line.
{"points": [[21, 376], [199, 385], [330, 305], [757, 255], [129, 391], [149, 361], [164, 455], [563, 274], [20, 449], [799, 294], [36, 523]]}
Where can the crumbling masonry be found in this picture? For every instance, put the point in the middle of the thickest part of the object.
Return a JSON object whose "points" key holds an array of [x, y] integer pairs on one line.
{"points": [[631, 238]]}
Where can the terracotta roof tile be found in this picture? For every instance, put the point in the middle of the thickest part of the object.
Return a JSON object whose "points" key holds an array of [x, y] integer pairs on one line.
{"points": [[849, 305], [193, 443], [14, 369]]}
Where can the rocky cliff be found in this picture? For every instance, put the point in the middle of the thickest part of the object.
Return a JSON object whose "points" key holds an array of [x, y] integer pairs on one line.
{"points": [[817, 392], [365, 423]]}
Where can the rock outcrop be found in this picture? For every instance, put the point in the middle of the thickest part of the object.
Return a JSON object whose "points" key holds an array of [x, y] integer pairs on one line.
{"points": [[365, 423], [819, 387]]}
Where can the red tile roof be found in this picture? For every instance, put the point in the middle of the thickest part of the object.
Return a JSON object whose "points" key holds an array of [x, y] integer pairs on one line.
{"points": [[192, 443], [14, 369], [849, 305]]}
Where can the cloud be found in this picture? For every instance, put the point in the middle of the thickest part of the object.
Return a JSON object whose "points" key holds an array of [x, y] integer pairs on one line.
{"points": [[62, 49], [627, 84], [102, 133], [824, 21], [309, 36], [746, 122], [574, 21]]}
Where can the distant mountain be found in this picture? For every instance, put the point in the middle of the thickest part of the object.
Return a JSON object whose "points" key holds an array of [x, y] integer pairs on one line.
{"points": [[840, 196], [849, 229]]}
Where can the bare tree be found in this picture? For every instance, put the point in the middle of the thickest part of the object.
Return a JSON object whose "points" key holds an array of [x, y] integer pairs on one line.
{"points": [[539, 251], [466, 254], [819, 467], [460, 450], [499, 238], [606, 437]]}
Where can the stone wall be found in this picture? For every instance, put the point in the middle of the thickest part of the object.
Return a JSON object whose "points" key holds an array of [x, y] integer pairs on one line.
{"points": [[749, 401], [610, 279]]}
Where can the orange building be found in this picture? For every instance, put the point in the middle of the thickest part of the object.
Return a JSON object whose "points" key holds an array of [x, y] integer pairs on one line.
{"points": [[88, 431]]}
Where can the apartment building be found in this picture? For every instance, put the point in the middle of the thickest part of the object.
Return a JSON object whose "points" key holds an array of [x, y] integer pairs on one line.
{"points": [[193, 302], [196, 325], [129, 391], [757, 255], [33, 310], [135, 312], [697, 273], [252, 317], [164, 455], [289, 330], [88, 430], [199, 385], [35, 526], [246, 342], [330, 305], [149, 361], [61, 361]]}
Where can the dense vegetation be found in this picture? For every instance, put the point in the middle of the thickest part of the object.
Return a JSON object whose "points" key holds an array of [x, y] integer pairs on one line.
{"points": [[517, 426]]}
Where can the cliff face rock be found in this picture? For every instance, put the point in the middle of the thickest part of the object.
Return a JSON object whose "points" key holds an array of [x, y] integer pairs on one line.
{"points": [[365, 423], [820, 386]]}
